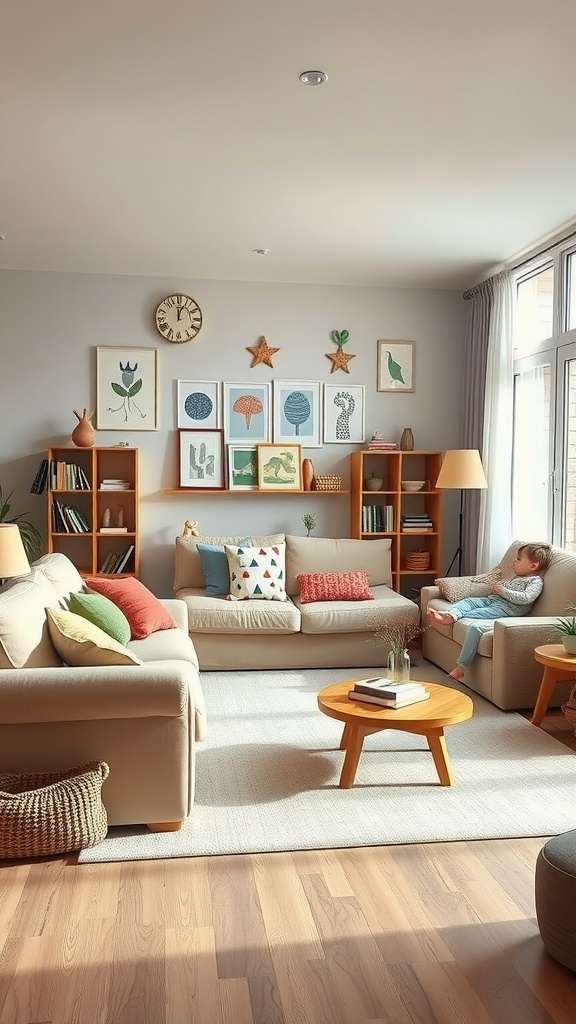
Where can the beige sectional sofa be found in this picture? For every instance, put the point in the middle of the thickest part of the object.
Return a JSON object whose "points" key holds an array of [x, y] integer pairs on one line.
{"points": [[143, 720], [504, 670], [258, 634]]}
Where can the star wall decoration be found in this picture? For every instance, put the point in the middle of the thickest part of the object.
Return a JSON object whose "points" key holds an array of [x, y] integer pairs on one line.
{"points": [[339, 358], [262, 353]]}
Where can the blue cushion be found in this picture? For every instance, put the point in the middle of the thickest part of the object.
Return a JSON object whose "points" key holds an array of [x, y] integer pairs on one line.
{"points": [[215, 567]]}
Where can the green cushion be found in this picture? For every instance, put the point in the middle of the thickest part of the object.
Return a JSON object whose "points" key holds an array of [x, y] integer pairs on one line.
{"points": [[103, 613]]}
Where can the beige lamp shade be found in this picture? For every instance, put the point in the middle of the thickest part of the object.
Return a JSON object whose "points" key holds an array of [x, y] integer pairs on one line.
{"points": [[13, 561], [462, 468]]}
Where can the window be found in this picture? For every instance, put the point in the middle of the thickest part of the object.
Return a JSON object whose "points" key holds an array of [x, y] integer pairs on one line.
{"points": [[533, 316]]}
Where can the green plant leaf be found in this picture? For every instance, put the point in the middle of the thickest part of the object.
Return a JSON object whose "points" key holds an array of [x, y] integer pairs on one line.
{"points": [[344, 335], [119, 390], [135, 388]]}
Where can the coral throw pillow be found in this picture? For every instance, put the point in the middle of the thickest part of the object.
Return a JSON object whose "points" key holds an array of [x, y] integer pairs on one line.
{"points": [[141, 607], [456, 588], [257, 573], [334, 586]]}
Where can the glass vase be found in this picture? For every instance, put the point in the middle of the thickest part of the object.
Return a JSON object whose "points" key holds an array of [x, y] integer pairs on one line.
{"points": [[399, 666]]}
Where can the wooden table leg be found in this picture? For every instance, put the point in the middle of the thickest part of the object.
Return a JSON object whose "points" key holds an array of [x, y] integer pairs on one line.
{"points": [[354, 741], [439, 751], [345, 736], [550, 677]]}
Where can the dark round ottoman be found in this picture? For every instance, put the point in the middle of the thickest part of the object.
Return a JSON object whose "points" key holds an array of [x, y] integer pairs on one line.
{"points": [[555, 893]]}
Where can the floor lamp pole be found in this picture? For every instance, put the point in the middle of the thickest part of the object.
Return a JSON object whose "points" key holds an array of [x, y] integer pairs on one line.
{"points": [[458, 552]]}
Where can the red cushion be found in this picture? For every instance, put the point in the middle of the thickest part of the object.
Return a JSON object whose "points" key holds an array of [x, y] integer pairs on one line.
{"points": [[142, 609], [334, 586]]}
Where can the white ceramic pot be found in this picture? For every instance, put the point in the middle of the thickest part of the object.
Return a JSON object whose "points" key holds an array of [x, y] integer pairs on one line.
{"points": [[569, 642]]}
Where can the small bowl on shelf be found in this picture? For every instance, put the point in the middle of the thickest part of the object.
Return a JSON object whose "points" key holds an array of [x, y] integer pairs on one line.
{"points": [[412, 485]]}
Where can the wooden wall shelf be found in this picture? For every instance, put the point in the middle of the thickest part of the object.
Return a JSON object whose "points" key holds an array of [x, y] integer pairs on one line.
{"points": [[241, 493]]}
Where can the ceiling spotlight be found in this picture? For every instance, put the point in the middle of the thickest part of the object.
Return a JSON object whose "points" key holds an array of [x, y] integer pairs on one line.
{"points": [[2, 238], [261, 252], [313, 77]]}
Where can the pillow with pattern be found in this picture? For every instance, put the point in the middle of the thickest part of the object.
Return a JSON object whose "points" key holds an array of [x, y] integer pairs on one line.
{"points": [[456, 588], [334, 586], [257, 573]]}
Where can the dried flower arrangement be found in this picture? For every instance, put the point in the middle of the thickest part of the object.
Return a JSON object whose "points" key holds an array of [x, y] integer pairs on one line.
{"points": [[397, 631]]}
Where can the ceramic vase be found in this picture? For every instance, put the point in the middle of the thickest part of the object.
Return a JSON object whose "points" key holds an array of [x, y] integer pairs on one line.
{"points": [[307, 474], [83, 435], [374, 483], [407, 440], [569, 642], [399, 666]]}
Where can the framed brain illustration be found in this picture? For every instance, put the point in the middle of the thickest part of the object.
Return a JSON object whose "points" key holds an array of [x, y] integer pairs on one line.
{"points": [[198, 404]]}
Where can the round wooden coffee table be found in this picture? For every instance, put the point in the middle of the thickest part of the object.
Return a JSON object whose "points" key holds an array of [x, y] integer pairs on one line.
{"points": [[559, 667], [427, 718]]}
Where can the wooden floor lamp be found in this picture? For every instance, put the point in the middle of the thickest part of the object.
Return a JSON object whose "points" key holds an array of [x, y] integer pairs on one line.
{"points": [[461, 470]]}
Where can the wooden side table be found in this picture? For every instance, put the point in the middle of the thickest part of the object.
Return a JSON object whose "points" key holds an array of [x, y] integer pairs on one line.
{"points": [[559, 667]]}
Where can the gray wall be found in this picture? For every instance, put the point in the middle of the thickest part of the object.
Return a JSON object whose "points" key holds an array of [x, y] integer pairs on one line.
{"points": [[51, 324]]}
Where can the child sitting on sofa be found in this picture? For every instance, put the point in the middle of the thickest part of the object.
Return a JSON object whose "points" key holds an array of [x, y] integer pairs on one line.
{"points": [[513, 596]]}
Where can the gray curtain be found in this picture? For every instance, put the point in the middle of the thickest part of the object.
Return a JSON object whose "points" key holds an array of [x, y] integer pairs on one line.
{"points": [[473, 390]]}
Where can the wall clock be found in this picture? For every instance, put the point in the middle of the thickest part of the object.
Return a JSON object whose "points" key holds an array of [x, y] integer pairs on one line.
{"points": [[178, 318]]}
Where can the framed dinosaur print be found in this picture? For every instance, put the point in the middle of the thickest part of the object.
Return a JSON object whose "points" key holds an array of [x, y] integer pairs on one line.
{"points": [[395, 366], [344, 413], [279, 467]]}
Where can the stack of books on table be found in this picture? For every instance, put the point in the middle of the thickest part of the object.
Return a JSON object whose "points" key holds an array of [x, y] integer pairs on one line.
{"points": [[388, 694]]}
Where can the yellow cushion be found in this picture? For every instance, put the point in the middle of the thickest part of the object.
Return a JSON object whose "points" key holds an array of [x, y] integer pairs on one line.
{"points": [[80, 642]]}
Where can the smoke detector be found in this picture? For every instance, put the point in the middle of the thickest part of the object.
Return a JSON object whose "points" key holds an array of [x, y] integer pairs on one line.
{"points": [[313, 77]]}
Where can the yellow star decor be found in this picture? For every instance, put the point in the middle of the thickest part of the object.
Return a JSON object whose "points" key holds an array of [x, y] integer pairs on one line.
{"points": [[340, 360], [262, 353]]}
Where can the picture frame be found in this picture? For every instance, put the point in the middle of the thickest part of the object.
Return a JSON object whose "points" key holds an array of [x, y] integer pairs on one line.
{"points": [[344, 413], [201, 459], [198, 404], [246, 409], [126, 388], [297, 412], [395, 366], [242, 467], [280, 467]]}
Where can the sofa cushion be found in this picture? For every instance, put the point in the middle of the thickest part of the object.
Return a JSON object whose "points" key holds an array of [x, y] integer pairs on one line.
{"points": [[353, 616], [208, 614], [165, 645], [103, 613], [215, 566], [61, 572], [334, 586], [141, 607], [188, 567], [24, 636], [324, 554], [80, 642], [257, 573], [456, 588]]}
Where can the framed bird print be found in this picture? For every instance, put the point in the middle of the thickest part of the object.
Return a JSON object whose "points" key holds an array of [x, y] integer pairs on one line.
{"points": [[395, 366]]}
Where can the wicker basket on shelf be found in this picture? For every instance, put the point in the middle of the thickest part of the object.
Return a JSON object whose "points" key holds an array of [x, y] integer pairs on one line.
{"points": [[417, 561], [569, 708], [328, 482]]}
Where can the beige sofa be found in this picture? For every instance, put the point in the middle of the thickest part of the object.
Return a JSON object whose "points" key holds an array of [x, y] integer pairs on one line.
{"points": [[257, 634], [142, 720], [504, 670]]}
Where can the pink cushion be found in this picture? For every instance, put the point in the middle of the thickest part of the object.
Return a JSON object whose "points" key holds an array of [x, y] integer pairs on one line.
{"points": [[140, 606], [334, 586]]}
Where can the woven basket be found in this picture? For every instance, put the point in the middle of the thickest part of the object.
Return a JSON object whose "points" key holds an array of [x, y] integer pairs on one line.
{"points": [[569, 708], [43, 813], [328, 483]]}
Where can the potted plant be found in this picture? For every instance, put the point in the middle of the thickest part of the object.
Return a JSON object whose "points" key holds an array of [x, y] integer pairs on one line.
{"points": [[567, 627], [31, 538], [374, 482]]}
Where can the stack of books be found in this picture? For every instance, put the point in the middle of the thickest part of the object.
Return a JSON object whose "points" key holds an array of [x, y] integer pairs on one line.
{"points": [[416, 522], [114, 484], [388, 694], [379, 444], [114, 563]]}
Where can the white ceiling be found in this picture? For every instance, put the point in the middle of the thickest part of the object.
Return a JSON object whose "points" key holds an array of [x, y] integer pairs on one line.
{"points": [[172, 137]]}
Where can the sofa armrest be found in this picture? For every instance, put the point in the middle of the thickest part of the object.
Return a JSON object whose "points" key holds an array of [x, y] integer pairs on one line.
{"points": [[178, 610], [67, 694], [516, 674], [427, 594]]}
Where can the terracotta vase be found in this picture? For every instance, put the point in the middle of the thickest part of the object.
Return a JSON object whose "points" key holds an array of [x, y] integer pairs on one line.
{"points": [[83, 435], [307, 474]]}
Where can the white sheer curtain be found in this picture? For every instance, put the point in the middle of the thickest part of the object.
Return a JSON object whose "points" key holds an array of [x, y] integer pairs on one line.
{"points": [[530, 504], [495, 525]]}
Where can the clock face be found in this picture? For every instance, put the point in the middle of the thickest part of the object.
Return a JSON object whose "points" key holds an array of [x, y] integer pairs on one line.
{"points": [[178, 318]]}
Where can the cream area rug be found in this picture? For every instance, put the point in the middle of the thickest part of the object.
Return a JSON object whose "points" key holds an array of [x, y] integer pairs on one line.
{"points": [[267, 777]]}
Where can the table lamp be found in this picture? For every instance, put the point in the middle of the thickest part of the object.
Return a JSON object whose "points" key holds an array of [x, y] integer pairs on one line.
{"points": [[13, 560], [462, 470]]}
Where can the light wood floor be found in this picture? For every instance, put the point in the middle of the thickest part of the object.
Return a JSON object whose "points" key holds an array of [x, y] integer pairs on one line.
{"points": [[440, 933]]}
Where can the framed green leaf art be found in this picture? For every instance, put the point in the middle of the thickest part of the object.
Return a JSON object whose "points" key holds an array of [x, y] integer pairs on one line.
{"points": [[395, 366]]}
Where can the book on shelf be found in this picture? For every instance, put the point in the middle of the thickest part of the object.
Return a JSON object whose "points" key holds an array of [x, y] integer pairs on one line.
{"points": [[108, 562], [113, 529], [383, 687], [384, 702], [39, 482], [110, 484], [123, 559]]}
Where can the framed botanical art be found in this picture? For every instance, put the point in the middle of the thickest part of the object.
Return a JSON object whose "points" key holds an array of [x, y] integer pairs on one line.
{"points": [[343, 413], [198, 404], [297, 412], [242, 467], [201, 455], [246, 413], [280, 467], [126, 389], [395, 366]]}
